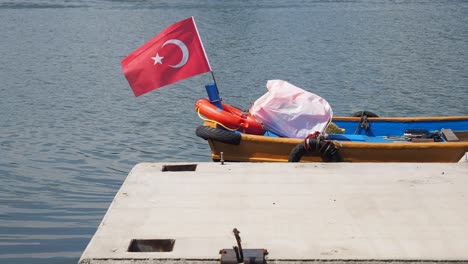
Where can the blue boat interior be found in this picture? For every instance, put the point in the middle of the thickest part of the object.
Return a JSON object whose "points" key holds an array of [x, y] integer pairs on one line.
{"points": [[380, 131]]}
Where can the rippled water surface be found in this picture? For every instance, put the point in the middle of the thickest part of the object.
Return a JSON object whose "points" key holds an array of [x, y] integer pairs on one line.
{"points": [[71, 129]]}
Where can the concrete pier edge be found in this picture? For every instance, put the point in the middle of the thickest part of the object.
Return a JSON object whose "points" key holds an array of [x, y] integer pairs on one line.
{"points": [[301, 213]]}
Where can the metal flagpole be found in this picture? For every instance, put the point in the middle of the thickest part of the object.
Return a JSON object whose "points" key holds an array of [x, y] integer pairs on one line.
{"points": [[214, 80]]}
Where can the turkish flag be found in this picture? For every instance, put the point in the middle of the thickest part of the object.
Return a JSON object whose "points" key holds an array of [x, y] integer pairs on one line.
{"points": [[174, 54]]}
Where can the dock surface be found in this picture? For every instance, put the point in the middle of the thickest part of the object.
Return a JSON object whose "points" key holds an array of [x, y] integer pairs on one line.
{"points": [[298, 212]]}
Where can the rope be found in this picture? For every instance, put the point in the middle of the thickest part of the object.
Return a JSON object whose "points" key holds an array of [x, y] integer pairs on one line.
{"points": [[307, 143], [364, 123], [214, 121], [327, 149]]}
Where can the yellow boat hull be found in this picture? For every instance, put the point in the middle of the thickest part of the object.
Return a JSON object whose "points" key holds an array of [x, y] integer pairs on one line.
{"points": [[254, 148], [263, 149]]}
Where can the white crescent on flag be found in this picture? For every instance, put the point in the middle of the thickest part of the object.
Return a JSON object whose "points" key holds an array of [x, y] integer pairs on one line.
{"points": [[183, 48]]}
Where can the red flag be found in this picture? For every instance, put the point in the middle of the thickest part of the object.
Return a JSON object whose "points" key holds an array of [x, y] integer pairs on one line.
{"points": [[174, 54]]}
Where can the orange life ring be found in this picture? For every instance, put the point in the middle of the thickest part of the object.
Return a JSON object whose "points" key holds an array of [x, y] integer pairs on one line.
{"points": [[229, 116]]}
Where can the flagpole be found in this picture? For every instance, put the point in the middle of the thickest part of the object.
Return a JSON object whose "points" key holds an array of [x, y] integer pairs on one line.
{"points": [[213, 94], [214, 80]]}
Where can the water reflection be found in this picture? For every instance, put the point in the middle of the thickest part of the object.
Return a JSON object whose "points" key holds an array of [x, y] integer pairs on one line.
{"points": [[71, 129]]}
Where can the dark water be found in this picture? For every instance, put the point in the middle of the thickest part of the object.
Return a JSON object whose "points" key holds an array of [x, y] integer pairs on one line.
{"points": [[71, 129]]}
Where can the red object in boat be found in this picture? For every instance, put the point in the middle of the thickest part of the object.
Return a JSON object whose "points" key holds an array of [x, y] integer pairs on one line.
{"points": [[229, 116]]}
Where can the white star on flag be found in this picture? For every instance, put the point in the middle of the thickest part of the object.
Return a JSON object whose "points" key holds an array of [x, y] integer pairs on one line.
{"points": [[157, 59]]}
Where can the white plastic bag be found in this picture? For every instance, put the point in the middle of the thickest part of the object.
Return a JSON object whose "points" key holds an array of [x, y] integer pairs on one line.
{"points": [[290, 111]]}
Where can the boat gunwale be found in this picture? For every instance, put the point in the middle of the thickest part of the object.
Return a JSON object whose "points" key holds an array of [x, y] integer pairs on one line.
{"points": [[403, 119]]}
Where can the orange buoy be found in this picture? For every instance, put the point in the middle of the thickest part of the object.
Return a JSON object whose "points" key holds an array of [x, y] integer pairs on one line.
{"points": [[230, 117]]}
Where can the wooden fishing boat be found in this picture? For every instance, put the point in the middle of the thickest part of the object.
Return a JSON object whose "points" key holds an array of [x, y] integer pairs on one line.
{"points": [[365, 139]]}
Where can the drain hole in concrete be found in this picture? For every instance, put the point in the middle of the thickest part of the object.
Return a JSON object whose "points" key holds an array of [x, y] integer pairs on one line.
{"points": [[151, 245], [184, 167]]}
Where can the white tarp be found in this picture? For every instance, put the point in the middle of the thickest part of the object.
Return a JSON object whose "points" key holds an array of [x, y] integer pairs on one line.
{"points": [[290, 111]]}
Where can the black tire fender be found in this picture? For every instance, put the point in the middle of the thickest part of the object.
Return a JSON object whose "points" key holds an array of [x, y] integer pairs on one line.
{"points": [[297, 152], [327, 150], [364, 113], [217, 134]]}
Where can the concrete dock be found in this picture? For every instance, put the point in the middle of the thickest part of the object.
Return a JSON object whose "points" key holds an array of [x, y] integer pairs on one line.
{"points": [[298, 212]]}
